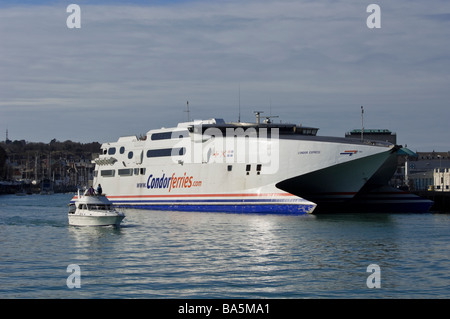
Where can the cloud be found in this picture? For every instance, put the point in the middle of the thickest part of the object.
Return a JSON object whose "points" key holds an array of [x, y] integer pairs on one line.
{"points": [[131, 68]]}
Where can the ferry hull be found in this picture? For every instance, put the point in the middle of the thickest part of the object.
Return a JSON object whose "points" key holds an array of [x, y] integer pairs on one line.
{"points": [[377, 197], [235, 209], [227, 203], [336, 183], [382, 200], [360, 195], [388, 200]]}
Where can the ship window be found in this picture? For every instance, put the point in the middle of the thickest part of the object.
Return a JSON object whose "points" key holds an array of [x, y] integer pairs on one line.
{"points": [[130, 155], [179, 151], [161, 136], [160, 152], [125, 172], [112, 151], [139, 171], [122, 150], [229, 168], [108, 173], [248, 167], [168, 135]]}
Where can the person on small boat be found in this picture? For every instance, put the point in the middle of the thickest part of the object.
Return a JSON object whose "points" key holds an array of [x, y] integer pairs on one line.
{"points": [[99, 189], [91, 191]]}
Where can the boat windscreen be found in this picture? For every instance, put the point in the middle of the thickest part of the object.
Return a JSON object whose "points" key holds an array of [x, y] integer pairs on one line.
{"points": [[99, 207]]}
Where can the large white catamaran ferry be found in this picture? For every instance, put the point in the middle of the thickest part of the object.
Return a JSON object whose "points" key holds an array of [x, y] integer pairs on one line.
{"points": [[262, 167]]}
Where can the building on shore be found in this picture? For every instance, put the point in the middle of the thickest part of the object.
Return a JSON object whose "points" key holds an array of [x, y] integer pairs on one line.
{"points": [[426, 171], [441, 177]]}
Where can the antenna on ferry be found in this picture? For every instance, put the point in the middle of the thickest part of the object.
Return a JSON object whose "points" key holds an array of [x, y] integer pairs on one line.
{"points": [[187, 111], [239, 118], [362, 123], [270, 107], [258, 118], [268, 121]]}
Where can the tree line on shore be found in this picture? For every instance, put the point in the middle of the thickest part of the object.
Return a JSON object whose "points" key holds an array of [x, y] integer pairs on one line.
{"points": [[38, 159]]}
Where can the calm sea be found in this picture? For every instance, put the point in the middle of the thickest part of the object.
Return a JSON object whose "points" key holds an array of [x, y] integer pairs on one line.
{"points": [[212, 255]]}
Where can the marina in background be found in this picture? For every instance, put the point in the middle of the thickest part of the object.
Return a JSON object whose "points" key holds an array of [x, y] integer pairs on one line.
{"points": [[55, 167]]}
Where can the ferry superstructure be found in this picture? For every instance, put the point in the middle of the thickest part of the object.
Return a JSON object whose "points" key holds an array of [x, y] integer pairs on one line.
{"points": [[211, 165]]}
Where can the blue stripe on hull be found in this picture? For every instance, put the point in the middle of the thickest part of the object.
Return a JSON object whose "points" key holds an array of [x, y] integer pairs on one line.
{"points": [[200, 201], [260, 209]]}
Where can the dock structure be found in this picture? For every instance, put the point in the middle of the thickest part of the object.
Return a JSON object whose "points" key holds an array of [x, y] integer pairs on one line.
{"points": [[441, 200]]}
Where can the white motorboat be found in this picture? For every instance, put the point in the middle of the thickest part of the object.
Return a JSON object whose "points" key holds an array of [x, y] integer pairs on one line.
{"points": [[93, 210]]}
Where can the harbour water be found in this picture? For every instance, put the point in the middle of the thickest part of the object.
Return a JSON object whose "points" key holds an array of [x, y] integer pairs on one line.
{"points": [[191, 255]]}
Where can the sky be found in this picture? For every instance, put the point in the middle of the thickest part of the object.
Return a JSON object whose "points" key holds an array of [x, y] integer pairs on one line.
{"points": [[133, 65]]}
